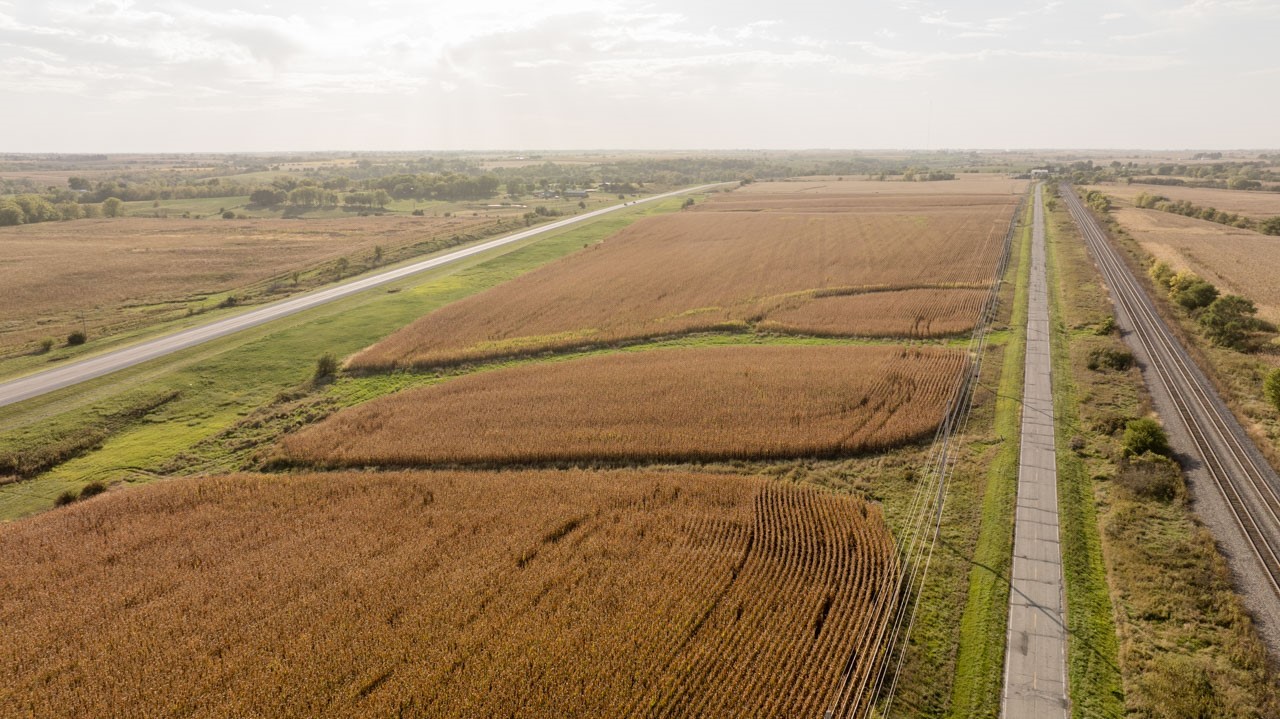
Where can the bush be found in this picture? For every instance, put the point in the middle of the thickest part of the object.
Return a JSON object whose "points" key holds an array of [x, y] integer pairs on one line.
{"points": [[1270, 226], [228, 215], [1192, 292], [1271, 388], [1161, 273], [326, 367], [418, 213], [1151, 476], [1106, 326], [1145, 435], [92, 489], [1229, 320], [65, 498], [46, 344], [76, 338], [1108, 358]]}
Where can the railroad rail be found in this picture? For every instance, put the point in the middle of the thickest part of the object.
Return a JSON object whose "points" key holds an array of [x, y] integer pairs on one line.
{"points": [[1247, 482]]}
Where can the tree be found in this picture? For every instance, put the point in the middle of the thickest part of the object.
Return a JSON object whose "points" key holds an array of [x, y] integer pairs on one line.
{"points": [[1271, 388], [381, 198], [112, 207], [267, 197], [11, 213], [1229, 320], [78, 183]]}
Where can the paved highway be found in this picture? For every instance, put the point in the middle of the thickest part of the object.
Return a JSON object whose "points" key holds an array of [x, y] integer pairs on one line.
{"points": [[1035, 673], [79, 371]]}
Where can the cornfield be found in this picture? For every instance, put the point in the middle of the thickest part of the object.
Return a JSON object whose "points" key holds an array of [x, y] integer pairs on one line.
{"points": [[680, 404], [721, 267], [916, 313], [532, 594]]}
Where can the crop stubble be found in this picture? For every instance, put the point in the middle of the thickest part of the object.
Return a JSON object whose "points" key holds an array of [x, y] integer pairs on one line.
{"points": [[117, 271]]}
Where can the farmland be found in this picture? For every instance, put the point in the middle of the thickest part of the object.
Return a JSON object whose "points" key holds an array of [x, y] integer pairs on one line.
{"points": [[1238, 261], [546, 594], [1253, 204], [703, 404], [726, 265], [109, 275]]}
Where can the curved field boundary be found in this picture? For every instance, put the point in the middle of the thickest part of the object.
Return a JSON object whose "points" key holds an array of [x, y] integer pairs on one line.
{"points": [[446, 594], [737, 402]]}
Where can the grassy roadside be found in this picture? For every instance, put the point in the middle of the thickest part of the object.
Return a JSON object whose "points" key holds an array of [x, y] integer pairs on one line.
{"points": [[1182, 645], [222, 382], [981, 646], [1093, 674]]}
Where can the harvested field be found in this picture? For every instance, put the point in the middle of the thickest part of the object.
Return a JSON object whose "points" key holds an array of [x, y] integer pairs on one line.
{"points": [[965, 184], [720, 267], [127, 272], [931, 313], [1255, 204], [537, 594], [1237, 261], [687, 404]]}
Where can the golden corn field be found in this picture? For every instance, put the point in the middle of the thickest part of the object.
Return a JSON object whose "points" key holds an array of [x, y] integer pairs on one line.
{"points": [[729, 263], [455, 594], [679, 404], [914, 313]]}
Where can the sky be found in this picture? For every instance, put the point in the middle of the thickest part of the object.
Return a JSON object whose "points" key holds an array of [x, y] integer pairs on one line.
{"points": [[230, 75]]}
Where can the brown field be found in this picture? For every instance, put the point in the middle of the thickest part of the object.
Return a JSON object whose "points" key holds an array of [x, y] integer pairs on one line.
{"points": [[120, 271], [720, 267], [537, 594], [1258, 205], [1237, 261], [882, 314], [683, 404], [964, 184]]}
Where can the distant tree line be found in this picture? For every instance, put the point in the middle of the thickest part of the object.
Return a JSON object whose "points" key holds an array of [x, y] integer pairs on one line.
{"points": [[29, 209]]}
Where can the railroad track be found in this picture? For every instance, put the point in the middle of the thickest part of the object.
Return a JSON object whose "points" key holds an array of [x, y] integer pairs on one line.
{"points": [[1247, 482]]}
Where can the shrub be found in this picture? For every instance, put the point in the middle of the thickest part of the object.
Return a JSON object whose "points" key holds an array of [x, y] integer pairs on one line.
{"points": [[1161, 273], [65, 498], [418, 213], [1271, 388], [1106, 326], [1108, 358], [46, 344], [1151, 476], [1270, 226], [76, 338], [92, 489], [1192, 292], [228, 215], [326, 367], [1229, 320], [1145, 435]]}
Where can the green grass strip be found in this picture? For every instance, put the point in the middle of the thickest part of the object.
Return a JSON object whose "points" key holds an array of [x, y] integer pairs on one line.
{"points": [[979, 673], [1093, 673]]}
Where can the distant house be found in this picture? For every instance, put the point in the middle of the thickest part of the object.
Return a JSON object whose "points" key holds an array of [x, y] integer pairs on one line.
{"points": [[576, 194], [1039, 174]]}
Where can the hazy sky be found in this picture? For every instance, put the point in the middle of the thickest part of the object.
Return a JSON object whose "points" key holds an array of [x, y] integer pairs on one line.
{"points": [[187, 75]]}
